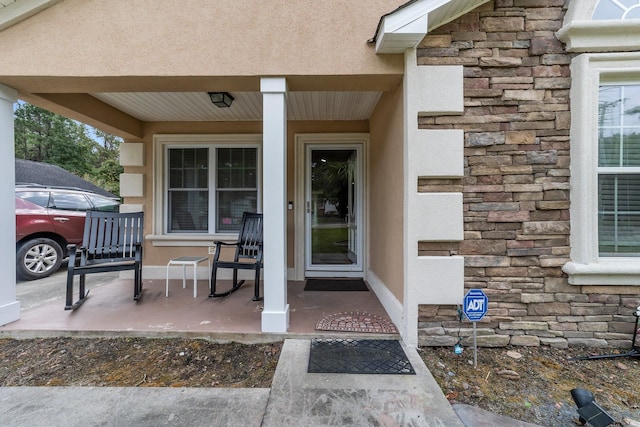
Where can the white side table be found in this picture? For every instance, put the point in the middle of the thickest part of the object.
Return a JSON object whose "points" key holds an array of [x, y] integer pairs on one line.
{"points": [[189, 260]]}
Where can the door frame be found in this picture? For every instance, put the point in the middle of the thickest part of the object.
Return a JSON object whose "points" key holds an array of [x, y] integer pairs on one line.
{"points": [[302, 141]]}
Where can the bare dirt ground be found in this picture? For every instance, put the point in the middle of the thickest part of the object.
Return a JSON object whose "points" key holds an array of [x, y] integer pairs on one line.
{"points": [[531, 384], [534, 384], [136, 362]]}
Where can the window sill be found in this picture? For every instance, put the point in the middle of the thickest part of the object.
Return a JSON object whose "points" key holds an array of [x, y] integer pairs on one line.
{"points": [[605, 272], [189, 239]]}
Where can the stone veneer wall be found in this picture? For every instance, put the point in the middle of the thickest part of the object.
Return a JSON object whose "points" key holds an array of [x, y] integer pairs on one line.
{"points": [[516, 186]]}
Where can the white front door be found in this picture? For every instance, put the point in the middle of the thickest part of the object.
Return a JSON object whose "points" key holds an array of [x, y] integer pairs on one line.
{"points": [[333, 210]]}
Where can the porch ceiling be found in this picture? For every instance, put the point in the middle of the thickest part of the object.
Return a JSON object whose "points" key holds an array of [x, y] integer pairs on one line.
{"points": [[247, 106]]}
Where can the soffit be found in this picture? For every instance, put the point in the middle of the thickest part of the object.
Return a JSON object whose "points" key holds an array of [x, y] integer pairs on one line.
{"points": [[247, 106], [406, 26], [14, 11]]}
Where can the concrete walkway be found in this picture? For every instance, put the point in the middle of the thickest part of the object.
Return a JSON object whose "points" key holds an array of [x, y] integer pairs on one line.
{"points": [[296, 398]]}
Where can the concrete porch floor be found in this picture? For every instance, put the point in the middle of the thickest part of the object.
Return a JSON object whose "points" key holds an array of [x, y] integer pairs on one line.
{"points": [[110, 310]]}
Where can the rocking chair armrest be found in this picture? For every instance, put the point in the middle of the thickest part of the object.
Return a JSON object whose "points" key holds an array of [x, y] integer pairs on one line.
{"points": [[220, 242]]}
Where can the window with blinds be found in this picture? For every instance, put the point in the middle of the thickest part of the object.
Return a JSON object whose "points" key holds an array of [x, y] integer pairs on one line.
{"points": [[198, 197], [619, 170]]}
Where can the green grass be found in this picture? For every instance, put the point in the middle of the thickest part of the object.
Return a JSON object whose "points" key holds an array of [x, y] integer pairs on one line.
{"points": [[323, 240]]}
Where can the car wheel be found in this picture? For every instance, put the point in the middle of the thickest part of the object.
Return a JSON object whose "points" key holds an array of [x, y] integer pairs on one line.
{"points": [[38, 258]]}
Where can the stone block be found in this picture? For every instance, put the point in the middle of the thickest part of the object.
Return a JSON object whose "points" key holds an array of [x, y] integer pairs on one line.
{"points": [[587, 342], [566, 297], [527, 137], [542, 158], [603, 318], [436, 341], [553, 262], [621, 327], [500, 61], [546, 45], [507, 271], [604, 299], [553, 205], [483, 139], [563, 326], [523, 188], [546, 227], [431, 331], [554, 342], [563, 120], [488, 341], [536, 299], [613, 336], [526, 252], [524, 325], [482, 247], [427, 310], [523, 95], [485, 261], [440, 40], [592, 310], [508, 216], [578, 334], [552, 83], [502, 24], [549, 309], [593, 327], [525, 340]]}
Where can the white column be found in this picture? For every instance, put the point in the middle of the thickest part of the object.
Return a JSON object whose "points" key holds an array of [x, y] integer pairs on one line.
{"points": [[275, 316], [431, 217], [9, 307]]}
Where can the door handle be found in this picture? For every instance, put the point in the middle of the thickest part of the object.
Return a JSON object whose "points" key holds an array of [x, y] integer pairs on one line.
{"points": [[308, 206], [60, 219]]}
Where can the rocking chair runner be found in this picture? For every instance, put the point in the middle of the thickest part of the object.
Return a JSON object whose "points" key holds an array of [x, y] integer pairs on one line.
{"points": [[248, 255]]}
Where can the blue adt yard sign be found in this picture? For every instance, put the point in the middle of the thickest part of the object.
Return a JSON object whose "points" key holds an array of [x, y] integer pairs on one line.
{"points": [[475, 305]]}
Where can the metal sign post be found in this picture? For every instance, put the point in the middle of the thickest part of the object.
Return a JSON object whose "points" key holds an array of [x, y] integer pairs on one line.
{"points": [[475, 307]]}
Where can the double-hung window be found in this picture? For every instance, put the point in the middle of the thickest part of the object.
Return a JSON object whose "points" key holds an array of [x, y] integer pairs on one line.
{"points": [[604, 36], [619, 170], [208, 182]]}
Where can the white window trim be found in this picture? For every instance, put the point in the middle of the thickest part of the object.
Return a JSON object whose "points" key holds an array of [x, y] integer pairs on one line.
{"points": [[159, 236], [586, 266], [581, 33]]}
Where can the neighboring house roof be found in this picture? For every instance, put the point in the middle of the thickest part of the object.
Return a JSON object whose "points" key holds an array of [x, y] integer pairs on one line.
{"points": [[14, 11], [29, 172]]}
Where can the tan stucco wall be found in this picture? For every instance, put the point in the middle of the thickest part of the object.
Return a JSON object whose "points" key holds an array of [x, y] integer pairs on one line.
{"points": [[156, 255], [386, 196], [147, 45]]}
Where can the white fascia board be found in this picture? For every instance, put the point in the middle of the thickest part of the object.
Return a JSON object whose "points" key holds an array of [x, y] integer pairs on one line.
{"points": [[399, 40], [21, 10], [406, 27], [406, 15]]}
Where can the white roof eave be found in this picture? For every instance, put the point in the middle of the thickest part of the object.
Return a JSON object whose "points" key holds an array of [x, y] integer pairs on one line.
{"points": [[20, 10], [407, 26]]}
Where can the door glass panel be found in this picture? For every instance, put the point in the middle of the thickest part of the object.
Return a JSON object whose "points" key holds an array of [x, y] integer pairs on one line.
{"points": [[332, 207]]}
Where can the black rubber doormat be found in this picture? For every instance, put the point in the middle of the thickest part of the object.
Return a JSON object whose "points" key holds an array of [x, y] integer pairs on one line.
{"points": [[350, 356], [335, 285]]}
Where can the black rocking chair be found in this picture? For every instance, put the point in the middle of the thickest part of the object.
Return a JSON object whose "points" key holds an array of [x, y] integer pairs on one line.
{"points": [[248, 255]]}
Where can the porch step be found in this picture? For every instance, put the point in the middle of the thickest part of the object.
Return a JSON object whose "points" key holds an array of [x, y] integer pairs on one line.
{"points": [[310, 399]]}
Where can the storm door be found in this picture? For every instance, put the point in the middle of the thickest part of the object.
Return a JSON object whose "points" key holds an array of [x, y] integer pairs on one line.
{"points": [[333, 211]]}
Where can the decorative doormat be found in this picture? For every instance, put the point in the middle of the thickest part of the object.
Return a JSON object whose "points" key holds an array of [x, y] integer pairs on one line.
{"points": [[356, 321], [349, 356], [335, 285]]}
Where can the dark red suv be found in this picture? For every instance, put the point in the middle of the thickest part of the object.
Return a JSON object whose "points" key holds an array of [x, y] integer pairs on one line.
{"points": [[47, 219]]}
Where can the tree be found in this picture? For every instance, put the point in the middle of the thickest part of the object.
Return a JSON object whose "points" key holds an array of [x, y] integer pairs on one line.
{"points": [[43, 136]]}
